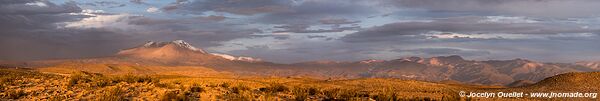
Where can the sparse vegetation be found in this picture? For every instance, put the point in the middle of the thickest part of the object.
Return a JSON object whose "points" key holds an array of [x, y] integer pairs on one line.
{"points": [[113, 94], [275, 88], [22, 84]]}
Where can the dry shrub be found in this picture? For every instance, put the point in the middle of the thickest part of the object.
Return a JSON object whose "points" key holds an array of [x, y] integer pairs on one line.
{"points": [[386, 97], [135, 79], [302, 93], [14, 94], [99, 80], [275, 88], [175, 96], [239, 89], [242, 96], [196, 88], [346, 94], [225, 85], [81, 77], [113, 94]]}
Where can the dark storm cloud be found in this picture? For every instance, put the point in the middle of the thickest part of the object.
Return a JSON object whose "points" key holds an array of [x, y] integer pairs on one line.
{"points": [[467, 25], [539, 8]]}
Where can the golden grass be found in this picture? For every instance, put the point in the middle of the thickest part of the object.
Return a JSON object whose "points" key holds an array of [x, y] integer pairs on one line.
{"points": [[31, 85]]}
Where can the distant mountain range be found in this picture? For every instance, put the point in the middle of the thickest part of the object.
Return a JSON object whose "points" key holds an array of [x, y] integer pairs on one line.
{"points": [[181, 58]]}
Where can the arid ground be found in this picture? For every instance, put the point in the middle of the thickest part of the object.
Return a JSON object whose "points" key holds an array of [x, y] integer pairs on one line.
{"points": [[25, 84]]}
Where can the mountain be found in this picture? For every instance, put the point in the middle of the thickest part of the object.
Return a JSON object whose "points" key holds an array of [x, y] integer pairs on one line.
{"points": [[181, 58], [163, 50], [520, 83], [162, 58], [590, 65], [178, 52]]}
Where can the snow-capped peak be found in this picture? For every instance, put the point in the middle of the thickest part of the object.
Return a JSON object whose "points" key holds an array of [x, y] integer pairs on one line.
{"points": [[228, 57], [234, 58], [371, 61], [149, 43], [179, 43], [185, 45]]}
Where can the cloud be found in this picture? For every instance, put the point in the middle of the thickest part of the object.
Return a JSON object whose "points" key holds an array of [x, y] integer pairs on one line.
{"points": [[302, 28], [287, 16], [316, 36], [242, 7], [101, 21], [17, 16], [321, 12], [537, 8], [278, 37], [153, 10], [140, 20], [311, 51], [41, 4], [427, 52], [337, 21], [203, 31], [174, 5], [30, 31], [465, 25], [109, 4], [31, 8], [137, 1], [329, 29], [281, 11]]}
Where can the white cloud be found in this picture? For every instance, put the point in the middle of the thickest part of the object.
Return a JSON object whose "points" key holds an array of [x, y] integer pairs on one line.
{"points": [[103, 21], [88, 12], [152, 10], [41, 4]]}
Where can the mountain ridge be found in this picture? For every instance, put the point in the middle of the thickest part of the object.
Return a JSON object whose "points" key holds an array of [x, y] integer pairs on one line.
{"points": [[440, 68]]}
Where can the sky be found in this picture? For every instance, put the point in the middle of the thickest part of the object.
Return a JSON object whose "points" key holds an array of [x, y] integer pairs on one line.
{"points": [[290, 31]]}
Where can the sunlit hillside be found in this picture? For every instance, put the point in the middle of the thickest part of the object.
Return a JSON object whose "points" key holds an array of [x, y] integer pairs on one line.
{"points": [[32, 85]]}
